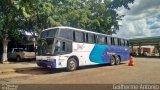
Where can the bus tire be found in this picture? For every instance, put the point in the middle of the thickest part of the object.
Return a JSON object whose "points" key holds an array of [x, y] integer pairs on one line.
{"points": [[72, 64], [117, 60], [112, 60]]}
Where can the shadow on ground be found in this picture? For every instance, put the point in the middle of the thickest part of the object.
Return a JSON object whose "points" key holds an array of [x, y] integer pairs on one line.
{"points": [[42, 71], [12, 61]]}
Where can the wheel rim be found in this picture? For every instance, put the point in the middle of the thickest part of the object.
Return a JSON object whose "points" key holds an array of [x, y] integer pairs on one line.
{"points": [[118, 61], [112, 61], [72, 65]]}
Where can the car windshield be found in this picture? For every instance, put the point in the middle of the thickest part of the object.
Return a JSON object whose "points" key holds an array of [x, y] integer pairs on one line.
{"points": [[45, 46]]}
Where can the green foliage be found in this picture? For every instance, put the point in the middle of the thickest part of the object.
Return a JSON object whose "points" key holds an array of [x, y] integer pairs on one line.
{"points": [[88, 14], [30, 15], [8, 21], [35, 15]]}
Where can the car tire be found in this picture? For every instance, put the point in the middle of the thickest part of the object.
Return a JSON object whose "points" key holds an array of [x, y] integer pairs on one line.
{"points": [[18, 58], [72, 64]]}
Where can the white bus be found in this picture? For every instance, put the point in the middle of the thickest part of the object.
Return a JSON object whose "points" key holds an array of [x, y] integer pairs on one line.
{"points": [[67, 47]]}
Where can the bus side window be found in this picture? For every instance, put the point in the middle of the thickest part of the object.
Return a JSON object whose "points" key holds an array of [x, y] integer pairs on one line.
{"points": [[122, 42], [66, 33], [119, 42], [101, 39], [115, 41], [112, 41], [108, 40], [126, 43], [78, 36], [91, 38]]}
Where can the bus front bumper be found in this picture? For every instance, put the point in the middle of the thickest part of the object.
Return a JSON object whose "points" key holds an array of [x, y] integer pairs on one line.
{"points": [[46, 64]]}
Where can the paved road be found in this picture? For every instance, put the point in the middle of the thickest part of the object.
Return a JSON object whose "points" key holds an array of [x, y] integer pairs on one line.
{"points": [[146, 70]]}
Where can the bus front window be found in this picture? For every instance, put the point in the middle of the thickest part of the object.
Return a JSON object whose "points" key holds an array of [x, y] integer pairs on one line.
{"points": [[46, 47], [62, 47]]}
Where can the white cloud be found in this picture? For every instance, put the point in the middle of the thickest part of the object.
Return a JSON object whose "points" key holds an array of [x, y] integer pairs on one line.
{"points": [[155, 25], [151, 20], [136, 28], [155, 32], [141, 19], [143, 8]]}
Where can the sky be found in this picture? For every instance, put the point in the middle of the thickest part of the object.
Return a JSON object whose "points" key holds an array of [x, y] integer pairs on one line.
{"points": [[142, 20]]}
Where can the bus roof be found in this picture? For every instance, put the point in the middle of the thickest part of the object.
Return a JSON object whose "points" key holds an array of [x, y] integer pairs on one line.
{"points": [[83, 30]]}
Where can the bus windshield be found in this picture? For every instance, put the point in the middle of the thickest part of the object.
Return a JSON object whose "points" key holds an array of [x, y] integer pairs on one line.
{"points": [[49, 33], [45, 46]]}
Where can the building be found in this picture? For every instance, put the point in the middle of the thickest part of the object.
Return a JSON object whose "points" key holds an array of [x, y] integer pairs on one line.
{"points": [[145, 46], [28, 42]]}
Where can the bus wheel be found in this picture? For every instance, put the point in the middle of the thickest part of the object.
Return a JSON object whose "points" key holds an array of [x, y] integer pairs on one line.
{"points": [[112, 60], [117, 60], [72, 64]]}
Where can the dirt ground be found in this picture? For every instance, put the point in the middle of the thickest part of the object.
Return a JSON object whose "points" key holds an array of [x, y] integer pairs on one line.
{"points": [[146, 70]]}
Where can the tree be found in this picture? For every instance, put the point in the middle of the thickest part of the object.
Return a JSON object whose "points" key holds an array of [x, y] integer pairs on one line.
{"points": [[98, 15], [8, 24], [21, 14], [35, 15]]}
